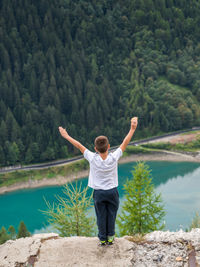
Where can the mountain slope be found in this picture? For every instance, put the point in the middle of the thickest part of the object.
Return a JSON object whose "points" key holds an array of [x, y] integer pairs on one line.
{"points": [[90, 66]]}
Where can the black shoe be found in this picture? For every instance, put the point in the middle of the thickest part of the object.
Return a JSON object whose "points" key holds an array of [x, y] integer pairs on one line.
{"points": [[110, 240], [102, 243]]}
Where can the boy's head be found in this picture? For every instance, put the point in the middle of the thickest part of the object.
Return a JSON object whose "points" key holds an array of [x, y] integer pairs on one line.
{"points": [[101, 144]]}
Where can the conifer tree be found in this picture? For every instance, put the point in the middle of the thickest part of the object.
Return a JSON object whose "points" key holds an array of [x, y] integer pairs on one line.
{"points": [[3, 132], [195, 222], [142, 210], [12, 232], [2, 157], [69, 217], [22, 230], [3, 235]]}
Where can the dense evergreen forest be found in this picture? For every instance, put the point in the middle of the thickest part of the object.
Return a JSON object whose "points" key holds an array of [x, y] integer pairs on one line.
{"points": [[90, 66]]}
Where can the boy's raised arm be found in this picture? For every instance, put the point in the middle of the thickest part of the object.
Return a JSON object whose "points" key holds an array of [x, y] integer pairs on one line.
{"points": [[127, 139], [74, 142]]}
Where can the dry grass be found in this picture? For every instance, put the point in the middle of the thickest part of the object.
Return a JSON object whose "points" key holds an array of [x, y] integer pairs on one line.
{"points": [[137, 238]]}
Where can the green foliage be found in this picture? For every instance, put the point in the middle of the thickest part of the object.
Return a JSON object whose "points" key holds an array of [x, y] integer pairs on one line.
{"points": [[69, 217], [195, 222], [91, 66], [11, 233], [142, 210], [159, 145], [3, 235], [22, 230], [135, 150]]}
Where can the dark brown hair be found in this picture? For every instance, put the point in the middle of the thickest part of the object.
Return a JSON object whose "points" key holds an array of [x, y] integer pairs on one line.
{"points": [[101, 143]]}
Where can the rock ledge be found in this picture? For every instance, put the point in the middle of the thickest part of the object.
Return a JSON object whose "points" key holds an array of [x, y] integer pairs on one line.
{"points": [[167, 249]]}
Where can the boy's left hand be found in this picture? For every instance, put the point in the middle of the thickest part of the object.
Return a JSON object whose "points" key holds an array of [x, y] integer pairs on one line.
{"points": [[63, 132], [134, 122]]}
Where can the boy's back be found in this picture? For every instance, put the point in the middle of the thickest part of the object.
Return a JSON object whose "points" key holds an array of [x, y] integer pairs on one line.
{"points": [[103, 173]]}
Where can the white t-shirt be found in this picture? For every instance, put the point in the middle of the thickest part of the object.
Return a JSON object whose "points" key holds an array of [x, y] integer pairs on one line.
{"points": [[103, 173]]}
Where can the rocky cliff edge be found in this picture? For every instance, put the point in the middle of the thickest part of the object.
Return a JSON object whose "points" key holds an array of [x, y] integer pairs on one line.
{"points": [[167, 249]]}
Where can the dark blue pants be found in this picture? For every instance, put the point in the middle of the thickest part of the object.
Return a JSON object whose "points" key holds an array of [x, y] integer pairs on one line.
{"points": [[106, 203]]}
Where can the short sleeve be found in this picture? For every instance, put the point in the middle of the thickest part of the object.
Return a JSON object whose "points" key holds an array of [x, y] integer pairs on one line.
{"points": [[117, 154], [88, 155]]}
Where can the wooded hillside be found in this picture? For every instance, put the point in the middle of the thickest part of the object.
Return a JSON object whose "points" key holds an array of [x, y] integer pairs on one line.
{"points": [[90, 66]]}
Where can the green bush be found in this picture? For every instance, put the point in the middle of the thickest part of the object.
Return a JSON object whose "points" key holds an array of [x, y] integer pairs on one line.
{"points": [[135, 150], [166, 146], [195, 222], [11, 233]]}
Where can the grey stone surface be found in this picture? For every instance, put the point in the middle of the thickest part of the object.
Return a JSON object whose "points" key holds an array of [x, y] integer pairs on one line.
{"points": [[18, 252], [84, 251], [157, 249]]}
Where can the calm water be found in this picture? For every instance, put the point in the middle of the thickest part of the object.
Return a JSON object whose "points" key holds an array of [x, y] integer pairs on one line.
{"points": [[178, 182]]}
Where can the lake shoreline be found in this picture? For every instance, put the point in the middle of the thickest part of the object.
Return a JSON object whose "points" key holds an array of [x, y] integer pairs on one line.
{"points": [[61, 180]]}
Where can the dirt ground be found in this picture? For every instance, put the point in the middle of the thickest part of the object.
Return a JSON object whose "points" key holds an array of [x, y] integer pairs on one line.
{"points": [[181, 138], [186, 138]]}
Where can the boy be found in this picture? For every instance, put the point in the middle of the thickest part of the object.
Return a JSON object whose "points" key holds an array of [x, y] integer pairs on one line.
{"points": [[103, 178]]}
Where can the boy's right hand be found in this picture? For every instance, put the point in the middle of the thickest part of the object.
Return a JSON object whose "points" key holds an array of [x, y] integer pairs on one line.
{"points": [[134, 123], [63, 132]]}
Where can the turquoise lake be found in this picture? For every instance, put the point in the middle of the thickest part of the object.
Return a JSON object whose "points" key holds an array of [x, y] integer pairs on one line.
{"points": [[178, 182]]}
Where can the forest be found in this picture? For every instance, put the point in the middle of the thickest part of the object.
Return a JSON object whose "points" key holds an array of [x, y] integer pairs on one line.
{"points": [[90, 66]]}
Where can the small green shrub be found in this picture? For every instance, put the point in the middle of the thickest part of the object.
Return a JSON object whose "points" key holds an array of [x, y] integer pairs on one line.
{"points": [[70, 215], [195, 222], [166, 146], [135, 150]]}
